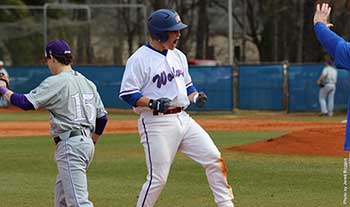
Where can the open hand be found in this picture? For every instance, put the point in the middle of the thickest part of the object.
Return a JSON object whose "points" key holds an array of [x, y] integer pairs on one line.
{"points": [[322, 14]]}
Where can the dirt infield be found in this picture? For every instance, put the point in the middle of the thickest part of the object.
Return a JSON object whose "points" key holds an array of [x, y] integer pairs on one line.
{"points": [[326, 141], [305, 137]]}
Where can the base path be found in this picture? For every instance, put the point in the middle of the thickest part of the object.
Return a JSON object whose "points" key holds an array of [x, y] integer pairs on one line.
{"points": [[305, 137]]}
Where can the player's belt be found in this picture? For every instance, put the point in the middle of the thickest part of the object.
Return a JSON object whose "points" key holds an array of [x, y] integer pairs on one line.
{"points": [[169, 111], [72, 134]]}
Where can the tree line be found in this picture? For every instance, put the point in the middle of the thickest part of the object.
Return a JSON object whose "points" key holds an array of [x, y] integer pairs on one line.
{"points": [[277, 30]]}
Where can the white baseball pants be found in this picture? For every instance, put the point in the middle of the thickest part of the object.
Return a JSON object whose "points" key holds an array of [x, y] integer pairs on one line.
{"points": [[327, 92], [162, 136]]}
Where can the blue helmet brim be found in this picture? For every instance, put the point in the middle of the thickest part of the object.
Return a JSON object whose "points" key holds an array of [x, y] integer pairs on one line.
{"points": [[179, 26]]}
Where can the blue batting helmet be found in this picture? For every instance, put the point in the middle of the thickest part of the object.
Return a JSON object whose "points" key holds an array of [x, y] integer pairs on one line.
{"points": [[162, 21]]}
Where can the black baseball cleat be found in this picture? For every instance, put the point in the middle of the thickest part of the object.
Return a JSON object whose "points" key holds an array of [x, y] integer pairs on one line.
{"points": [[323, 114]]}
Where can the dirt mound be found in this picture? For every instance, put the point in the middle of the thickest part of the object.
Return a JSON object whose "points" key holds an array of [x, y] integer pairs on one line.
{"points": [[326, 141]]}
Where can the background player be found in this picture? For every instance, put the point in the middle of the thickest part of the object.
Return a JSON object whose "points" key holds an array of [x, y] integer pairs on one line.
{"points": [[4, 75], [157, 84], [327, 82], [77, 119]]}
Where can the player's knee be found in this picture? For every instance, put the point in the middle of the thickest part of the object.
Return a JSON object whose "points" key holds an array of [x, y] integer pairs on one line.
{"points": [[160, 181], [212, 159], [214, 156], [217, 166]]}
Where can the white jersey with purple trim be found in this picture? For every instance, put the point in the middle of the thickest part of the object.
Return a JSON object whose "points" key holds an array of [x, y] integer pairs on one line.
{"points": [[155, 75]]}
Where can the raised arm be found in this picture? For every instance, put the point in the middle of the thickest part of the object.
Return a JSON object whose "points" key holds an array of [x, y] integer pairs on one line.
{"points": [[336, 46]]}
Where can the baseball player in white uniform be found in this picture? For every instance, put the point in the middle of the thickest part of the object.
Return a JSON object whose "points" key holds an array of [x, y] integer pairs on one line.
{"points": [[157, 84], [328, 78], [77, 119]]}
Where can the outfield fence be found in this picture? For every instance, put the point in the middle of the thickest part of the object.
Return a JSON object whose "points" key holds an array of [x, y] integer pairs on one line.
{"points": [[215, 81], [272, 87]]}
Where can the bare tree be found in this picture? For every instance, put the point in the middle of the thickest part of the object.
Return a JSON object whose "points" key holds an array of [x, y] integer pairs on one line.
{"points": [[300, 32], [158, 4], [84, 53], [202, 31], [188, 12]]}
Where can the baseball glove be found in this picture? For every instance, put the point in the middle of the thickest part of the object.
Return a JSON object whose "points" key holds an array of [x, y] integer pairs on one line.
{"points": [[4, 78], [320, 83]]}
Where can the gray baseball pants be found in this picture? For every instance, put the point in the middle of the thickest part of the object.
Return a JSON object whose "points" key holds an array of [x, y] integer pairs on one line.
{"points": [[326, 96], [73, 157]]}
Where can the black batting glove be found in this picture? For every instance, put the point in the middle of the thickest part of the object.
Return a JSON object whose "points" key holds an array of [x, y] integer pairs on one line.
{"points": [[159, 105], [201, 99]]}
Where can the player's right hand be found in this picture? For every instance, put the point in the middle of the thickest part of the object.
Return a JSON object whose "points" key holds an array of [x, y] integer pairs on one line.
{"points": [[201, 99], [159, 105], [322, 14]]}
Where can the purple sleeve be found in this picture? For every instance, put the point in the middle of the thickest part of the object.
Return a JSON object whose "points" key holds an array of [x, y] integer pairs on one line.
{"points": [[3, 90], [21, 101], [100, 124]]}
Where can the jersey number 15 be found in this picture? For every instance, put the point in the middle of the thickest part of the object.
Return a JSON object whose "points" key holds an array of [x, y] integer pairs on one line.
{"points": [[88, 107]]}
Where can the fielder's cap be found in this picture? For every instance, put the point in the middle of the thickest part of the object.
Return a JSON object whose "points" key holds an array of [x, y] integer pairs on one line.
{"points": [[57, 48], [329, 62]]}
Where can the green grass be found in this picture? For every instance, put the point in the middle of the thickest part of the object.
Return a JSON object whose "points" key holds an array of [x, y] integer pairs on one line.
{"points": [[24, 116], [268, 115], [27, 175], [42, 115]]}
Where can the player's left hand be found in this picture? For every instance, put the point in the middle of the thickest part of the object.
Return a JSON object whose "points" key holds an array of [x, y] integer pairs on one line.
{"points": [[95, 138], [4, 80], [322, 14], [201, 99]]}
